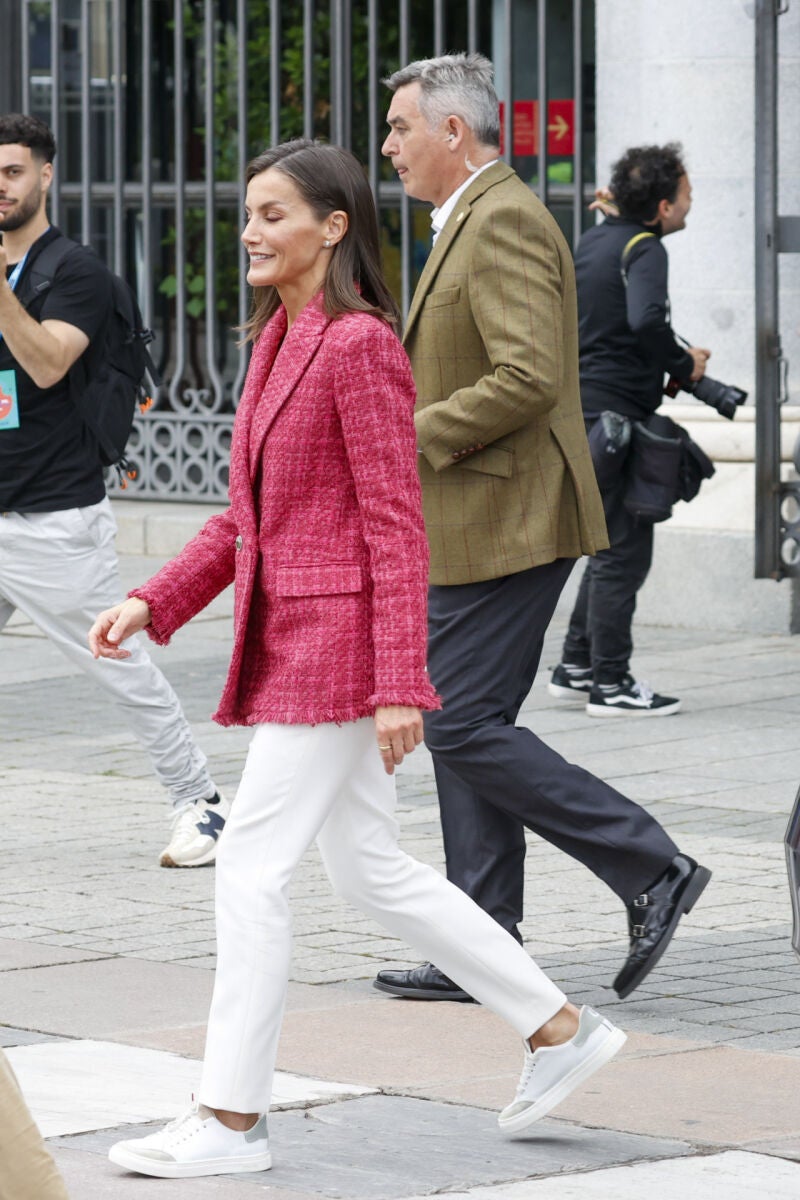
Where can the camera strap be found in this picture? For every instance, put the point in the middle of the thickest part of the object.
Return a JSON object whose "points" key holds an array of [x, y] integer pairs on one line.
{"points": [[626, 249]]}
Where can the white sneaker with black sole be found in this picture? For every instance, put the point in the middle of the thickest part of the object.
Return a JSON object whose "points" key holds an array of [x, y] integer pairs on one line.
{"points": [[551, 1073], [569, 682], [195, 833], [193, 1145], [629, 699]]}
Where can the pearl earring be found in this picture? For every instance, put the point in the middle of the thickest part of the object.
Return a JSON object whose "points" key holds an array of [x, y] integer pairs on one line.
{"points": [[326, 243]]}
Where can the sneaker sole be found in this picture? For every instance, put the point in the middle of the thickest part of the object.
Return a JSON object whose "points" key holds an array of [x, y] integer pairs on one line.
{"points": [[694, 890], [567, 693], [611, 710], [188, 1170], [421, 993], [603, 1054], [205, 860]]}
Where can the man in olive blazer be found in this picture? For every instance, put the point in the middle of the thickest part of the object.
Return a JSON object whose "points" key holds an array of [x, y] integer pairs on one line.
{"points": [[492, 334], [510, 503]]}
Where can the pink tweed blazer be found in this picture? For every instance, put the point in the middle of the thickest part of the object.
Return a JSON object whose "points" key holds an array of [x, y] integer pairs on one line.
{"points": [[324, 535]]}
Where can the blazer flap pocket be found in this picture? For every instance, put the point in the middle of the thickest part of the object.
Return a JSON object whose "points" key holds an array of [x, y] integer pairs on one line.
{"points": [[319, 579], [494, 460], [449, 295]]}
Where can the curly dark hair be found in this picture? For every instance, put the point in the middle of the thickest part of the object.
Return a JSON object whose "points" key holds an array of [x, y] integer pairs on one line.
{"points": [[18, 129], [643, 177]]}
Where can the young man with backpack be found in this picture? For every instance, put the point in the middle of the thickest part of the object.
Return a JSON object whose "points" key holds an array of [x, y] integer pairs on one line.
{"points": [[58, 565]]}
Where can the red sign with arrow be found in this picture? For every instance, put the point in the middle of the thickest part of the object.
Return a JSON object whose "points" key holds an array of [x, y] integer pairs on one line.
{"points": [[560, 128]]}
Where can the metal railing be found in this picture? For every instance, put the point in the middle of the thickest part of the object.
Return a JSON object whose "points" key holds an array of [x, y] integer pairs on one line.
{"points": [[157, 105], [777, 518]]}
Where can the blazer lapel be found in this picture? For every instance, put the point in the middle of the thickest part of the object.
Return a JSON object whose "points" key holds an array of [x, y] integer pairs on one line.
{"points": [[453, 226], [262, 358], [287, 366]]}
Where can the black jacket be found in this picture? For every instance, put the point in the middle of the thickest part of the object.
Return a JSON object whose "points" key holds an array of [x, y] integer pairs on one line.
{"points": [[626, 341]]}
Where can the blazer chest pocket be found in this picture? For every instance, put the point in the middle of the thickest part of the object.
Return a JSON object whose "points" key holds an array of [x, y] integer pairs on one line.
{"points": [[319, 579], [444, 296]]}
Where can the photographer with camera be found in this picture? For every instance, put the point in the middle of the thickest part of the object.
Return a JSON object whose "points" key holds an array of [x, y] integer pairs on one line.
{"points": [[627, 346]]}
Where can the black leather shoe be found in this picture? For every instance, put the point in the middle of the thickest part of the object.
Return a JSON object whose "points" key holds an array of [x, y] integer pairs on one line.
{"points": [[420, 983], [653, 918]]}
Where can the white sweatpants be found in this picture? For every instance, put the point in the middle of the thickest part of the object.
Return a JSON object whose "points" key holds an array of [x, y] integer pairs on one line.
{"points": [[60, 569], [302, 782]]}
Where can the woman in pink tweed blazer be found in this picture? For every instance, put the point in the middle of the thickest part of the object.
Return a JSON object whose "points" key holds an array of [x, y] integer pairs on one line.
{"points": [[325, 542]]}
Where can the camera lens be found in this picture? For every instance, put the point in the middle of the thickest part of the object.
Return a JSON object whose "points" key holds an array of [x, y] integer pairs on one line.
{"points": [[722, 396]]}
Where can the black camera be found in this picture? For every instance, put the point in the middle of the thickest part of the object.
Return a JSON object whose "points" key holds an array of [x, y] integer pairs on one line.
{"points": [[724, 397]]}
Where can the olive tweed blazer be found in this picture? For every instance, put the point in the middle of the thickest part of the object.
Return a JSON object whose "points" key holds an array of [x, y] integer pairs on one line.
{"points": [[492, 335]]}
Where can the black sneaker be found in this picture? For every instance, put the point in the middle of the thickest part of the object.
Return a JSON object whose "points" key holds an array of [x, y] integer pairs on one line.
{"points": [[629, 699], [569, 682]]}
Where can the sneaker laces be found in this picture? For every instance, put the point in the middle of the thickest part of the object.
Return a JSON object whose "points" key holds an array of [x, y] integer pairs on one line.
{"points": [[177, 813], [525, 1078], [184, 1118], [643, 691]]}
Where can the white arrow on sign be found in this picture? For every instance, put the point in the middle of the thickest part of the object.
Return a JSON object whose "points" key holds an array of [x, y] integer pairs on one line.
{"points": [[560, 127]]}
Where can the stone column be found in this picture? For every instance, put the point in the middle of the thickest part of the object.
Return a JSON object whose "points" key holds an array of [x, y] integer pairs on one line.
{"points": [[684, 72]]}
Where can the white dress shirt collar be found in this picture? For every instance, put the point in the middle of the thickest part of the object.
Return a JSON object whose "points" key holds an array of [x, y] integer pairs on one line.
{"points": [[439, 215]]}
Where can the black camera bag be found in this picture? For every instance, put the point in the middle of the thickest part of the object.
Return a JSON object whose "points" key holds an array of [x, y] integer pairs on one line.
{"points": [[664, 465]]}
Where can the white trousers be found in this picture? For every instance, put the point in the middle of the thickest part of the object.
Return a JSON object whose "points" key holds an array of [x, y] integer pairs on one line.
{"points": [[60, 569], [302, 782]]}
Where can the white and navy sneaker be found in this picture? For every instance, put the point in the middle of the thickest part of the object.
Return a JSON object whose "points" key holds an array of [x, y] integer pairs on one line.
{"points": [[195, 1144], [195, 832], [569, 682], [551, 1073], [629, 699]]}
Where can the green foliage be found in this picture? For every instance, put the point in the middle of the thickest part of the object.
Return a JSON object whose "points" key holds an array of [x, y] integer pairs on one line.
{"points": [[291, 121], [194, 280]]}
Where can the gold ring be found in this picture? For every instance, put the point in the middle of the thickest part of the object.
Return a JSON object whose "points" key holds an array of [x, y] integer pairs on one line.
{"points": [[384, 747]]}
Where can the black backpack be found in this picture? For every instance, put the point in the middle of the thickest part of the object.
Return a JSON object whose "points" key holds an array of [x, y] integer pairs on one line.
{"points": [[107, 382]]}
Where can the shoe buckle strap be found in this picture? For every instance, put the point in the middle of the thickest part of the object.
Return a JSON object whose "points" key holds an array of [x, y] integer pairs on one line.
{"points": [[638, 931], [641, 901]]}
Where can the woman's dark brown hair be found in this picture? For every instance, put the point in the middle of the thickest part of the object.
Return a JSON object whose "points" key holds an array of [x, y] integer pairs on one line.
{"points": [[330, 178]]}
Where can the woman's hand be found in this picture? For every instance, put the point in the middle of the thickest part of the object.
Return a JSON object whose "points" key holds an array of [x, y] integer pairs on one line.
{"points": [[115, 625], [399, 731]]}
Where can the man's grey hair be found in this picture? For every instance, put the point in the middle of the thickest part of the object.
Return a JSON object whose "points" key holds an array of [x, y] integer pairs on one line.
{"points": [[457, 85]]}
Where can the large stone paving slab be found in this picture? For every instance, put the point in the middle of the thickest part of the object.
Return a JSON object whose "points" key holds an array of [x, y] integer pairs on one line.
{"points": [[76, 1086], [714, 1096], [90, 1176], [108, 998], [389, 1148], [15, 955], [731, 1176]]}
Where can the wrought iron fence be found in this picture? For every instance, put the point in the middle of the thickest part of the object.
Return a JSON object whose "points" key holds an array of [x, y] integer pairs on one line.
{"points": [[777, 542], [157, 105]]}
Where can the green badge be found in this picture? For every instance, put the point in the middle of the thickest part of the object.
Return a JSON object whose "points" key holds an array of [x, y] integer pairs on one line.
{"points": [[9, 408]]}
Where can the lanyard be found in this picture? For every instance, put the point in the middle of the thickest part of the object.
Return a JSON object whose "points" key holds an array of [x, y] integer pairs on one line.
{"points": [[13, 278]]}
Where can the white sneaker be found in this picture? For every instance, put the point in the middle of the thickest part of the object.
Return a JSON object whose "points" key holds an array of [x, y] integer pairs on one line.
{"points": [[195, 830], [195, 1144], [552, 1072]]}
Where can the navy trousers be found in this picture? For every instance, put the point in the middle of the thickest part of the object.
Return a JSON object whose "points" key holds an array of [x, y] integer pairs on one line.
{"points": [[494, 779]]}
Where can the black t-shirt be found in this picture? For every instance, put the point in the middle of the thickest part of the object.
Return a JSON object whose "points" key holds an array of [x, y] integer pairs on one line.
{"points": [[626, 341], [51, 461]]}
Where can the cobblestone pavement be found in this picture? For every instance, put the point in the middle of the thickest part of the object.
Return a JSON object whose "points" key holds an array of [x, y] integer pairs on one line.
{"points": [[85, 820]]}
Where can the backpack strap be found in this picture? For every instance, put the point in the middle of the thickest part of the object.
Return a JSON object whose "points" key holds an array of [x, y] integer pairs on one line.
{"points": [[38, 277], [626, 249]]}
